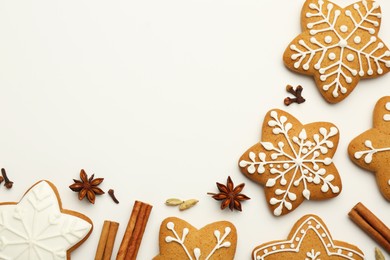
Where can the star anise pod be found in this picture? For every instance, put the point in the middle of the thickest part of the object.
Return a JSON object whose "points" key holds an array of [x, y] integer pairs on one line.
{"points": [[87, 187], [229, 195]]}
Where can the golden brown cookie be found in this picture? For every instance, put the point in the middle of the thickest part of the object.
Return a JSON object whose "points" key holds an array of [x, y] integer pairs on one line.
{"points": [[37, 227], [179, 240], [338, 46], [293, 161], [309, 239], [371, 149]]}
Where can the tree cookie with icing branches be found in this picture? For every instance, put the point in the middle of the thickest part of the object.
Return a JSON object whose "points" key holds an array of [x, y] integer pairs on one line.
{"points": [[293, 161], [179, 240], [338, 46], [309, 239], [371, 149], [37, 227]]}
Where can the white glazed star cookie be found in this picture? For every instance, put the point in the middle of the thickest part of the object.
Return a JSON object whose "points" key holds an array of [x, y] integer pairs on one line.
{"points": [[339, 46], [38, 228]]}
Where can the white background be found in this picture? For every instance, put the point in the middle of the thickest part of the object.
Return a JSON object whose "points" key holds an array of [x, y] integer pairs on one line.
{"points": [[161, 98]]}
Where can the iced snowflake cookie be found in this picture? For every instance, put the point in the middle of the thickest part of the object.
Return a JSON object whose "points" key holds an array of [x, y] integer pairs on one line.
{"points": [[339, 46], [371, 149], [293, 161], [180, 240], [39, 228], [309, 239]]}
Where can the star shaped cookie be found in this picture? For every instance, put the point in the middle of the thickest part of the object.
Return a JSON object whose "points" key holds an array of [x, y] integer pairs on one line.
{"points": [[293, 161], [38, 228], [371, 149], [179, 240], [309, 239], [339, 46]]}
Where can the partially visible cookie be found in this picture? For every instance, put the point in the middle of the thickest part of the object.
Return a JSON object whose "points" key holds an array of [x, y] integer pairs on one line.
{"points": [[293, 161], [179, 240], [371, 149], [308, 239], [339, 46], [37, 227]]}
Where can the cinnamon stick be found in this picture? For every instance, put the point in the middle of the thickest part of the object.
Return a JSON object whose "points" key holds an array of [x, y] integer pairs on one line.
{"points": [[110, 240], [107, 240], [135, 242], [371, 224], [102, 240], [134, 231]]}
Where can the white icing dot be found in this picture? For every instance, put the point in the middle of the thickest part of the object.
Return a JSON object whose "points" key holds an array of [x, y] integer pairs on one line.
{"points": [[388, 64], [328, 39], [309, 223], [332, 56], [356, 6], [343, 43], [343, 28], [357, 39], [297, 239], [274, 248], [387, 53], [292, 245], [328, 245], [302, 231], [323, 235], [170, 225], [265, 251], [271, 165], [350, 57], [282, 246], [318, 226], [381, 45], [285, 166], [339, 251], [350, 254]]}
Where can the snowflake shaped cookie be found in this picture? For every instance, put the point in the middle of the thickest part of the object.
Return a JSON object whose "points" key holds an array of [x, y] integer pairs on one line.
{"points": [[38, 228], [339, 46], [293, 161], [371, 149], [180, 240], [309, 239]]}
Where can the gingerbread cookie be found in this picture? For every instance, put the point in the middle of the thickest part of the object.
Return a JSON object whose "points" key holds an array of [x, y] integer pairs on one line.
{"points": [[37, 227], [338, 46], [293, 161], [179, 240], [309, 239], [371, 149]]}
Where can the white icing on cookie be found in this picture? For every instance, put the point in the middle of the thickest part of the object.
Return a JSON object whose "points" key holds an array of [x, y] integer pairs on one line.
{"points": [[368, 154], [327, 248], [386, 117], [35, 228], [300, 160], [369, 55], [221, 243]]}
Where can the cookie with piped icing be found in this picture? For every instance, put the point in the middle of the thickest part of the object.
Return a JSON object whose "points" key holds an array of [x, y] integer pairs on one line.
{"points": [[308, 239], [37, 227], [371, 149], [180, 240], [339, 46], [294, 162]]}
